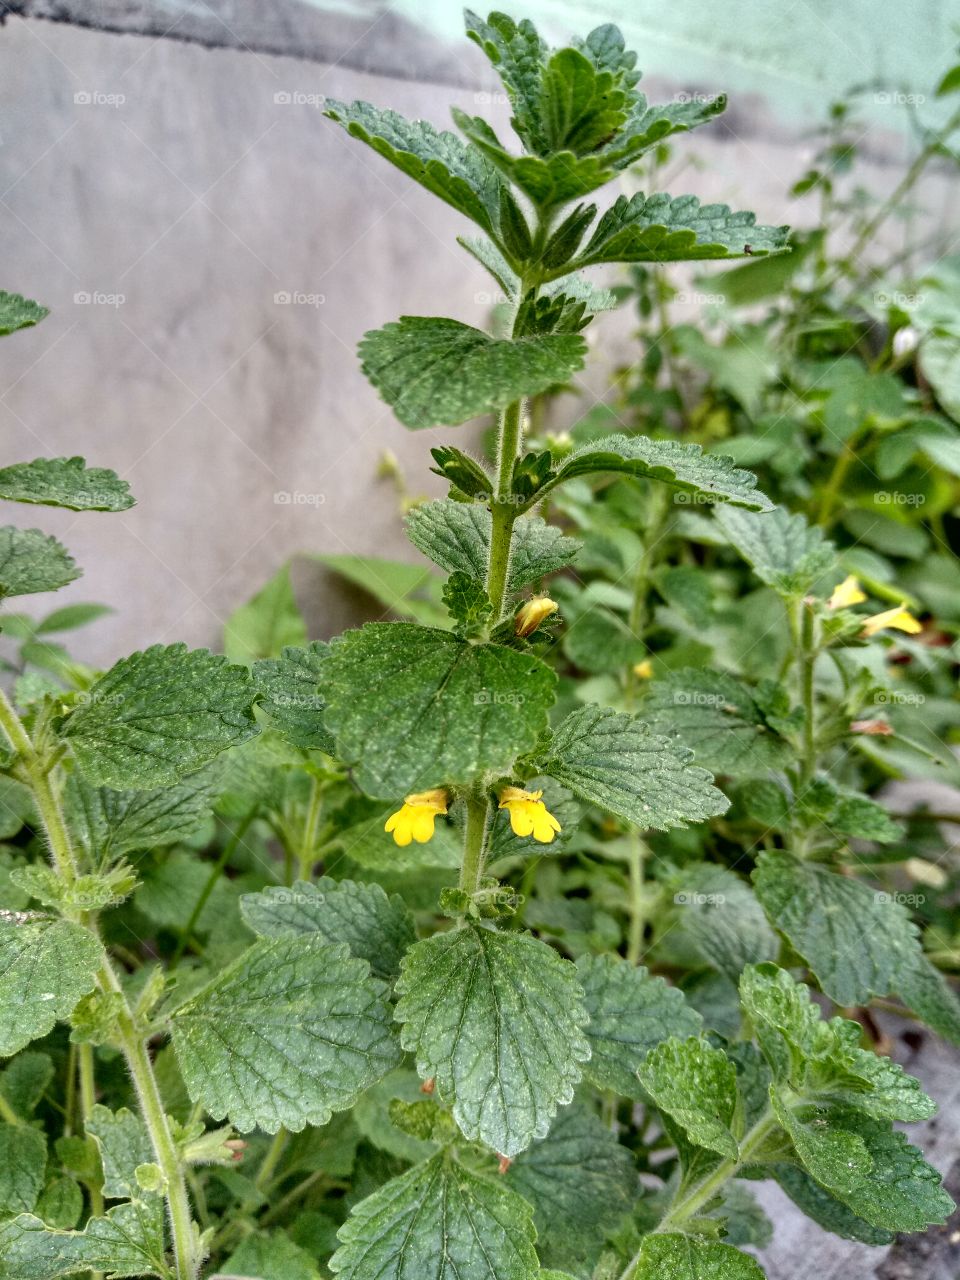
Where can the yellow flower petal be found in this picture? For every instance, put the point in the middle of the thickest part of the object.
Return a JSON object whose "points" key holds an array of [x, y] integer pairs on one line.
{"points": [[643, 670], [416, 818], [530, 615], [847, 593], [898, 619], [528, 814]]}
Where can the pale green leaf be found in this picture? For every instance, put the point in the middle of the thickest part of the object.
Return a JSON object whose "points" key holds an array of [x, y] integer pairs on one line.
{"points": [[614, 760], [417, 707], [670, 1256], [825, 1210], [696, 1085], [23, 1163], [159, 715], [719, 718], [107, 824], [439, 161], [24, 1081], [290, 686], [630, 1013], [783, 550], [439, 1220], [18, 312], [408, 590], [123, 1142], [518, 53], [65, 482], [719, 919], [684, 466], [128, 1241], [456, 536], [496, 1019], [270, 1256], [434, 371], [31, 561], [46, 965], [377, 928], [269, 622], [292, 1031], [581, 1183]]}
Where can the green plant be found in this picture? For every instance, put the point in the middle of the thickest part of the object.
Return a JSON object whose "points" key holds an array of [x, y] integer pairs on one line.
{"points": [[429, 1085]]}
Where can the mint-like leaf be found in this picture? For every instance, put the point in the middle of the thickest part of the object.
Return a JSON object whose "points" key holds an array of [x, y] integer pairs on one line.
{"points": [[31, 561], [292, 1031], [159, 715], [719, 919], [267, 623], [375, 927], [124, 1143], [23, 1164], [614, 760], [128, 1241], [672, 1256], [18, 312], [46, 965], [432, 371], [107, 824], [696, 1085], [496, 1018], [825, 1210], [65, 482], [292, 701], [438, 1219], [783, 550], [630, 1013], [417, 707]]}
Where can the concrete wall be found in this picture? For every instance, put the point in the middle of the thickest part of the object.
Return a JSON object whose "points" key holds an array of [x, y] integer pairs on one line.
{"points": [[169, 174]]}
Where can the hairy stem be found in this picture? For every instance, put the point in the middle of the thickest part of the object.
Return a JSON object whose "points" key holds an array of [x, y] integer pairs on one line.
{"points": [[185, 1244], [310, 828], [474, 841], [636, 852]]}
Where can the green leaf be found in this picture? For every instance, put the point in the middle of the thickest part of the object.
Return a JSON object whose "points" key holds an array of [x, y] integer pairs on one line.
{"points": [[825, 1209], [107, 824], [503, 843], [418, 707], [719, 715], [18, 312], [663, 228], [720, 919], [376, 928], [60, 1203], [292, 701], [438, 1219], [630, 1013], [518, 54], [159, 715], [31, 561], [46, 965], [859, 943], [867, 1165], [23, 1164], [270, 1256], [70, 617], [269, 622], [467, 603], [456, 536], [65, 482], [123, 1142], [24, 1081], [292, 1031], [581, 1183], [615, 761], [684, 466], [128, 1241], [696, 1085], [601, 641], [439, 161], [433, 371], [496, 1019], [672, 1256], [782, 549], [408, 590]]}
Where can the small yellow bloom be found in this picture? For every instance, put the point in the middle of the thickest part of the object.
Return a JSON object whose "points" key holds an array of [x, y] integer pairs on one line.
{"points": [[530, 615], [643, 670], [899, 619], [415, 820], [847, 593], [528, 814]]}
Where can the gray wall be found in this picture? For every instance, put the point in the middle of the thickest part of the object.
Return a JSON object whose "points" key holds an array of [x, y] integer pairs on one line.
{"points": [[169, 175]]}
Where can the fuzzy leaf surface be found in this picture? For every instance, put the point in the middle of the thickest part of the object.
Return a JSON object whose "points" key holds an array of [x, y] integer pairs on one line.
{"points": [[696, 1085], [107, 824], [290, 686], [124, 1143], [65, 482], [720, 919], [496, 1018], [23, 1163], [671, 1256], [46, 965], [31, 561], [783, 550], [18, 312], [127, 1241]]}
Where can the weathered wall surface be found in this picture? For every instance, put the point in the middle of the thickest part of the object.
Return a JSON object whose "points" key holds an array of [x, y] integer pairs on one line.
{"points": [[159, 196]]}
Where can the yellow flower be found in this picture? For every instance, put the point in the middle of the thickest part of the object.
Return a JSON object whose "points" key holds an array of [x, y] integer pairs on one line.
{"points": [[643, 670], [415, 820], [899, 619], [847, 593], [528, 814], [530, 615]]}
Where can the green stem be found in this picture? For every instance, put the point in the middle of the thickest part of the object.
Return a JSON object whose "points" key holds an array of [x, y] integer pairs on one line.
{"points": [[211, 883], [637, 920], [271, 1159], [7, 1113], [185, 1242], [807, 659], [276, 1211], [474, 841], [310, 827]]}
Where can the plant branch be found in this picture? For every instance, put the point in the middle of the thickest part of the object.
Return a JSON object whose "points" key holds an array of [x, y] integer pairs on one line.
{"points": [[474, 841]]}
